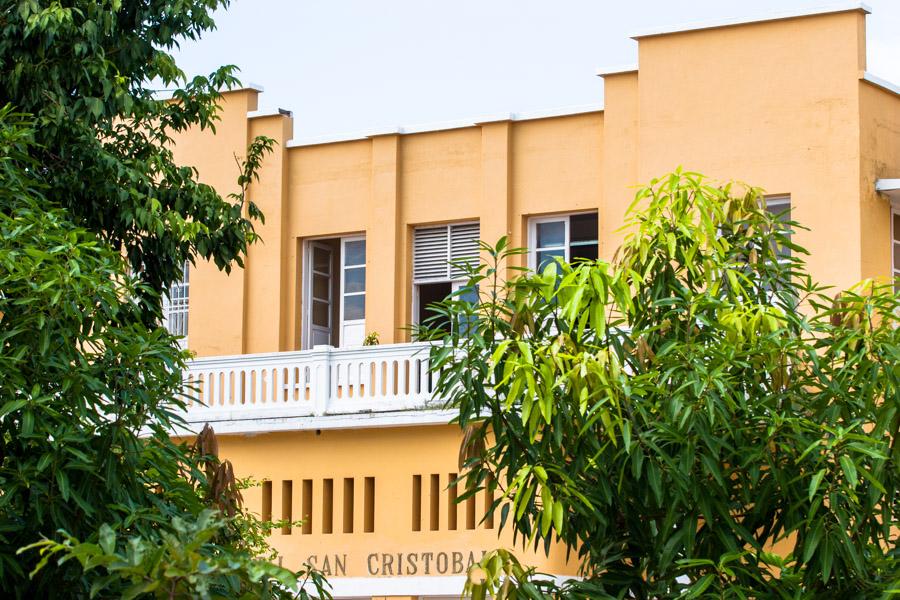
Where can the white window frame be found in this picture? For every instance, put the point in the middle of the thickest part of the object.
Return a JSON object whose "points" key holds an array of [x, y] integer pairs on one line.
{"points": [[177, 313], [344, 293], [533, 222], [455, 282], [895, 239], [306, 288], [780, 201]]}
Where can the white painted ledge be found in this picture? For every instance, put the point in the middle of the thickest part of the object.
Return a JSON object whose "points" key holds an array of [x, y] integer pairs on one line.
{"points": [[449, 586], [245, 426]]}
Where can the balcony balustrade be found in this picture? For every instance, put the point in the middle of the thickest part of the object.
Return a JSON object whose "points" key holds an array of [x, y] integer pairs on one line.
{"points": [[324, 381]]}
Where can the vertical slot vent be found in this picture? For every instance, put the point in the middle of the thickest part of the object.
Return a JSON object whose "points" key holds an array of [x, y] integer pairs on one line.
{"points": [[287, 493], [452, 511], [369, 503], [417, 503], [307, 506], [488, 502], [266, 512], [470, 510], [434, 503], [348, 505], [328, 506]]}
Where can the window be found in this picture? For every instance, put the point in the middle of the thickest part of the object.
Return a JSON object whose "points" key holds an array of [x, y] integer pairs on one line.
{"points": [[334, 292], [895, 246], [435, 250], [175, 306], [780, 209], [569, 237]]}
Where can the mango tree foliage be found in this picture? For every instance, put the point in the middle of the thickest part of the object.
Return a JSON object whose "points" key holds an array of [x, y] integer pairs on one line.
{"points": [[696, 418], [94, 495], [89, 72]]}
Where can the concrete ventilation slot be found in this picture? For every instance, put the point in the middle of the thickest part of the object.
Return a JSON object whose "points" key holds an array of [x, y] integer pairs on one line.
{"points": [[470, 511], [488, 503], [328, 506], [287, 494], [307, 506], [369, 505], [452, 508], [417, 503], [266, 501], [348, 505], [434, 503]]}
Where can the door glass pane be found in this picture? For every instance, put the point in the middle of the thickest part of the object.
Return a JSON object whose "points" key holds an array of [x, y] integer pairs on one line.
{"points": [[355, 253], [320, 287], [585, 251], [583, 228], [551, 234], [320, 313], [546, 257], [354, 307], [355, 280], [321, 259]]}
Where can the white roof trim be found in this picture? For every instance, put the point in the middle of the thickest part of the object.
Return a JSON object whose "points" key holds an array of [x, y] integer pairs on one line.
{"points": [[773, 16], [882, 83], [446, 125], [256, 114], [620, 70]]}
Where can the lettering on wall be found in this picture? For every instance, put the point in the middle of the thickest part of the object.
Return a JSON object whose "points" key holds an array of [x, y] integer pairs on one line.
{"points": [[400, 564], [383, 564]]}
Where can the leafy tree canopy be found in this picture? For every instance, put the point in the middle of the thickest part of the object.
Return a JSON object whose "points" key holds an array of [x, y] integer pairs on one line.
{"points": [[102, 135], [696, 418], [96, 220]]}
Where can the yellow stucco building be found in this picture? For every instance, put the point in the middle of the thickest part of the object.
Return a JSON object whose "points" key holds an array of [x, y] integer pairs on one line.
{"points": [[359, 231]]}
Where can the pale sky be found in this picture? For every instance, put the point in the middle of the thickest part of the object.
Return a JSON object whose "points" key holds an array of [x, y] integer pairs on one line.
{"points": [[351, 65]]}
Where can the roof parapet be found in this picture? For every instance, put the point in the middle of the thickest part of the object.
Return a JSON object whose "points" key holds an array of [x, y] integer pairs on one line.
{"points": [[839, 7]]}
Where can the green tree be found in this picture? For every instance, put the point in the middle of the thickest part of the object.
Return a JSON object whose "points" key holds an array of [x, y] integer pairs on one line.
{"points": [[102, 135], [96, 498], [96, 220], [696, 418]]}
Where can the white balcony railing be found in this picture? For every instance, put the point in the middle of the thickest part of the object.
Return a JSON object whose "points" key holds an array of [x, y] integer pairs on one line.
{"points": [[318, 382]]}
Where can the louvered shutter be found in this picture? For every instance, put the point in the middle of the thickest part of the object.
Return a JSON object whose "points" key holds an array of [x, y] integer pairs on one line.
{"points": [[435, 247], [463, 247], [430, 253]]}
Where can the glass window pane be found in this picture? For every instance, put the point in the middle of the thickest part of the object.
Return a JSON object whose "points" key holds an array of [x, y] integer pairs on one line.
{"points": [[546, 257], [780, 210], [469, 293], [586, 252], [354, 307], [320, 289], [897, 255], [355, 253], [550, 234], [897, 227], [321, 259], [320, 313], [583, 228], [355, 280]]}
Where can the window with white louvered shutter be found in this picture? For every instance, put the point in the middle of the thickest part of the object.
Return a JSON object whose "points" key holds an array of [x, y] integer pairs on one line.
{"points": [[175, 306], [434, 248]]}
